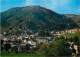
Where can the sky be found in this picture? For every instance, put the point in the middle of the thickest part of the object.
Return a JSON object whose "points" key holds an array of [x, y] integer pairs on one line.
{"points": [[59, 6]]}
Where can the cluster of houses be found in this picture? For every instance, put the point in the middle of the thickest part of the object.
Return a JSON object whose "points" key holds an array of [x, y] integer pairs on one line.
{"points": [[21, 41], [33, 39], [64, 32]]}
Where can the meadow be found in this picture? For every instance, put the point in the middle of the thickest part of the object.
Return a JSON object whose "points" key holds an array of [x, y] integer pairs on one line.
{"points": [[20, 55]]}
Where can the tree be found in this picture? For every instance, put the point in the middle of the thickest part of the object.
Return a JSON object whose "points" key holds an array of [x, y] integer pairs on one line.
{"points": [[75, 38], [42, 48], [58, 48]]}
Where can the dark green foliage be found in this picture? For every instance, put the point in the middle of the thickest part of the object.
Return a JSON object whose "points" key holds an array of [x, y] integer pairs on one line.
{"points": [[58, 48], [75, 38]]}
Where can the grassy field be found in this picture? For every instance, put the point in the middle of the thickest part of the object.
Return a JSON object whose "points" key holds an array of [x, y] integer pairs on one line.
{"points": [[19, 55]]}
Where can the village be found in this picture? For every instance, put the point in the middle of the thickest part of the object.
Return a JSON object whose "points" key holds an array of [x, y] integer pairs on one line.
{"points": [[25, 42]]}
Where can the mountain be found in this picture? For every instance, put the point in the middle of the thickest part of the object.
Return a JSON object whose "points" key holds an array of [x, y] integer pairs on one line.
{"points": [[75, 18], [34, 18]]}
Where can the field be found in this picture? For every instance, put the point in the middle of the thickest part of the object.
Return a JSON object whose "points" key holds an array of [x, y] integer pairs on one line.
{"points": [[19, 55]]}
